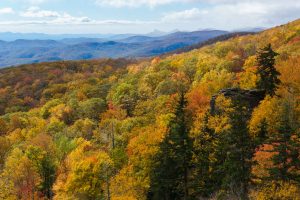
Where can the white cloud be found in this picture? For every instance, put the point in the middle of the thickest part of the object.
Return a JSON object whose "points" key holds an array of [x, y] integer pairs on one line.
{"points": [[6, 11], [153, 3], [66, 18], [69, 20], [228, 10], [36, 12], [30, 2], [35, 1], [219, 14], [136, 3], [190, 14], [237, 15], [38, 16]]}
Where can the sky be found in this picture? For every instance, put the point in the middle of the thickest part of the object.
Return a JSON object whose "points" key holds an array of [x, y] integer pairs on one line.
{"points": [[142, 16]]}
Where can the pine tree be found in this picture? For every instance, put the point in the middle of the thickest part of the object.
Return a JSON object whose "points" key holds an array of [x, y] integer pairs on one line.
{"points": [[205, 178], [234, 147], [286, 149], [276, 123], [169, 179], [239, 149], [267, 72]]}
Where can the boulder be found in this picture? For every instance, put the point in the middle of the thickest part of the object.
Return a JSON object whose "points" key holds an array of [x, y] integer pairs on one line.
{"points": [[250, 97]]}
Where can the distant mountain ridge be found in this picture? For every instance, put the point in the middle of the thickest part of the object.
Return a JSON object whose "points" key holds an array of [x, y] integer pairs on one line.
{"points": [[24, 51], [9, 36]]}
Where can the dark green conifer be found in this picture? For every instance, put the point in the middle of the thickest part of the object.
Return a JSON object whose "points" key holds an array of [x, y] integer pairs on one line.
{"points": [[233, 148], [267, 72], [205, 178], [169, 179], [286, 149]]}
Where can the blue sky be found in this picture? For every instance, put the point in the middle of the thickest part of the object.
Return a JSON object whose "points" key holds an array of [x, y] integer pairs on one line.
{"points": [[142, 16]]}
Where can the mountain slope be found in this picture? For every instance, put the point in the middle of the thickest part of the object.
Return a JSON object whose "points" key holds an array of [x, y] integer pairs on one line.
{"points": [[76, 120], [34, 51]]}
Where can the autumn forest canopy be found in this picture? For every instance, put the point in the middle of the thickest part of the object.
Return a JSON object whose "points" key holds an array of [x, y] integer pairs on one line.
{"points": [[218, 122]]}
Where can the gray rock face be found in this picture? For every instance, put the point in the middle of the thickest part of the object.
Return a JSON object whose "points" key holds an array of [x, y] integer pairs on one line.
{"points": [[250, 97]]}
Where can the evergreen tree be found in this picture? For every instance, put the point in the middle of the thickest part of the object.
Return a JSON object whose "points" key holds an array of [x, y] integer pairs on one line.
{"points": [[170, 177], [234, 147], [267, 72], [205, 178], [276, 121], [239, 149], [286, 149]]}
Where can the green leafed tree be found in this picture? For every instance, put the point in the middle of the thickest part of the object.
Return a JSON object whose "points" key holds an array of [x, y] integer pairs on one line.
{"points": [[45, 166]]}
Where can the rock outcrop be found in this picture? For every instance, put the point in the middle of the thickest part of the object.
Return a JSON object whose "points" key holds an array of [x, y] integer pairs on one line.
{"points": [[251, 97]]}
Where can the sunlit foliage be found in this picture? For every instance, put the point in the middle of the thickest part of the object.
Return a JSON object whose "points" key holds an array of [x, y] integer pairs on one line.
{"points": [[111, 129]]}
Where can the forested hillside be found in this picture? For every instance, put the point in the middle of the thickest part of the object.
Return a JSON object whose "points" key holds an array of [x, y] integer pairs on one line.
{"points": [[147, 129]]}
